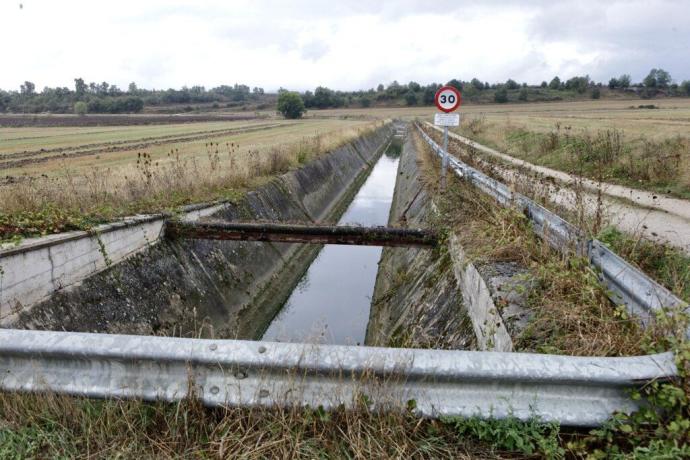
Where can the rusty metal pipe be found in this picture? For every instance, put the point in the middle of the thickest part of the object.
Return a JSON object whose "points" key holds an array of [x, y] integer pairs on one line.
{"points": [[299, 233]]}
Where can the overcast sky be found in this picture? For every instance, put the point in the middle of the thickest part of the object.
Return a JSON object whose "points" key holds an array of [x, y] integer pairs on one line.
{"points": [[338, 43]]}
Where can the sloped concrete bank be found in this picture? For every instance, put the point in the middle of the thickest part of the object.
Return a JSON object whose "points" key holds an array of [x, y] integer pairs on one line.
{"points": [[125, 278], [416, 302], [439, 298]]}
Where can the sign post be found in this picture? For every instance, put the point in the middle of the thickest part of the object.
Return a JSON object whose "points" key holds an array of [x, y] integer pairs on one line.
{"points": [[447, 99]]}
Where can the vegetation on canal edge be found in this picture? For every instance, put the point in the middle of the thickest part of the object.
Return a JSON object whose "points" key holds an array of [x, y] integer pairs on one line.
{"points": [[44, 205]]}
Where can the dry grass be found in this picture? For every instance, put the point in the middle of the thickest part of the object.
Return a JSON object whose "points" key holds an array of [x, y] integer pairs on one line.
{"points": [[643, 148], [571, 313], [78, 197], [49, 426]]}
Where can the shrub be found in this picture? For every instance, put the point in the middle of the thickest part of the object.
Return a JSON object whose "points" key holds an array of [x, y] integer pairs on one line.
{"points": [[501, 95], [596, 93], [522, 96], [411, 98], [290, 105], [80, 108], [555, 83]]}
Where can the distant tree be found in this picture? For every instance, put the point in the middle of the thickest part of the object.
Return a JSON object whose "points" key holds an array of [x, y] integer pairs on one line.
{"points": [[80, 108], [27, 89], [624, 81], [395, 89], [555, 83], [657, 78], [579, 84], [413, 86], [411, 98], [650, 80], [596, 93], [477, 84], [290, 105], [663, 78], [544, 84], [365, 101], [380, 87], [685, 87], [522, 95], [132, 88], [455, 83], [512, 84], [501, 95], [428, 96], [324, 97], [614, 83], [80, 87]]}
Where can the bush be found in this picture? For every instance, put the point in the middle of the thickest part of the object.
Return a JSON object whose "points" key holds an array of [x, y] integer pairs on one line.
{"points": [[501, 95], [411, 98], [555, 83], [290, 105], [522, 96], [596, 93], [685, 87], [80, 108]]}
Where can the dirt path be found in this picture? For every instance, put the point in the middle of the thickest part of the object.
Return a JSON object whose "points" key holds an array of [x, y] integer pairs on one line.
{"points": [[666, 220], [646, 199]]}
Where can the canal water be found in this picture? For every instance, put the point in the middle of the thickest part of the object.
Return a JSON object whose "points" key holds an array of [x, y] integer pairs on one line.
{"points": [[331, 302]]}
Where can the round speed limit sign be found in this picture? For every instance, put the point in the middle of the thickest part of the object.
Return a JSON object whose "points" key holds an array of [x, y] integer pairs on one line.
{"points": [[447, 99]]}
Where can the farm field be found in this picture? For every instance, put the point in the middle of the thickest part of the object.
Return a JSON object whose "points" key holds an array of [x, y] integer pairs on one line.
{"points": [[61, 178]]}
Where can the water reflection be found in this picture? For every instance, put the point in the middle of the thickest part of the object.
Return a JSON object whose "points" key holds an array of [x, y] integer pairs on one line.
{"points": [[331, 303]]}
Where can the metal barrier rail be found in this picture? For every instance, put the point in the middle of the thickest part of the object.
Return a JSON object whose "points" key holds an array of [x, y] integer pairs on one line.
{"points": [[625, 284], [575, 391]]}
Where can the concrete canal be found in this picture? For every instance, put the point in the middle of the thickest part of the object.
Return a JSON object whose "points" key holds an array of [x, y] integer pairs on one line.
{"points": [[331, 303]]}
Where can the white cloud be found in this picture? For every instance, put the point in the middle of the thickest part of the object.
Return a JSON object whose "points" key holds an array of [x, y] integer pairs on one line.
{"points": [[344, 44]]}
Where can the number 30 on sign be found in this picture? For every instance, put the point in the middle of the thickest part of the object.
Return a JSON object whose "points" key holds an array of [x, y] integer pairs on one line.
{"points": [[448, 99]]}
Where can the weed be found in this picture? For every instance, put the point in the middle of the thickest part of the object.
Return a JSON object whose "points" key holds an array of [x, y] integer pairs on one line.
{"points": [[532, 437]]}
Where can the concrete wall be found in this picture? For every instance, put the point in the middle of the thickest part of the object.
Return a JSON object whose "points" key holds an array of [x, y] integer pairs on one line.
{"points": [[124, 278], [440, 298], [416, 302]]}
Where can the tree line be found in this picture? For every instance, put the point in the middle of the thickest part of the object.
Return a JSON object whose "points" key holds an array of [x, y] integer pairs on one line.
{"points": [[106, 98], [656, 82]]}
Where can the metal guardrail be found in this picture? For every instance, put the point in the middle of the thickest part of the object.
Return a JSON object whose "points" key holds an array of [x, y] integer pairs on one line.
{"points": [[625, 284], [575, 391]]}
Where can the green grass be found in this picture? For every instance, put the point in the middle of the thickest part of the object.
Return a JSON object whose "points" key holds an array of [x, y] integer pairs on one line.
{"points": [[49, 426], [667, 265]]}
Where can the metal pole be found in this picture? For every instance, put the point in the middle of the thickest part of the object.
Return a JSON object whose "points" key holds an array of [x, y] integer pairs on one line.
{"points": [[444, 159]]}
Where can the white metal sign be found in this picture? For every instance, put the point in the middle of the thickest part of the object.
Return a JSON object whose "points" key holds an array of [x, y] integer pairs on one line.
{"points": [[447, 119]]}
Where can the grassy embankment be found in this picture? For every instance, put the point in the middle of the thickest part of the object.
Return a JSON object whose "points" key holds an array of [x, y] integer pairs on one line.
{"points": [[87, 176], [572, 315], [607, 142], [617, 142]]}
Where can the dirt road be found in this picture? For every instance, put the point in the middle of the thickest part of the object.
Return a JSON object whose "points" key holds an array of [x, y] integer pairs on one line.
{"points": [[634, 211]]}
